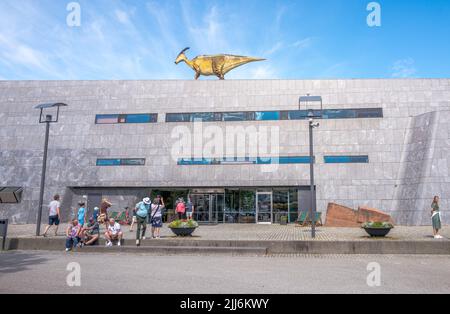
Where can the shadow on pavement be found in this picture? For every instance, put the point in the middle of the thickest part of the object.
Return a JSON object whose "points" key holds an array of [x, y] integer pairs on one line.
{"points": [[18, 261]]}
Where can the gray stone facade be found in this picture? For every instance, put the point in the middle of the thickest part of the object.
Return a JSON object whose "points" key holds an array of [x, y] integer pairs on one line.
{"points": [[409, 148]]}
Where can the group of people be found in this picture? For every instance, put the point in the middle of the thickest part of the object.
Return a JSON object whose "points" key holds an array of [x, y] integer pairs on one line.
{"points": [[148, 211], [82, 231]]}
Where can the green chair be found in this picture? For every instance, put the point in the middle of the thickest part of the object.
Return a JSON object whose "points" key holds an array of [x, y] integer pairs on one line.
{"points": [[113, 215], [121, 218], [318, 219], [302, 218]]}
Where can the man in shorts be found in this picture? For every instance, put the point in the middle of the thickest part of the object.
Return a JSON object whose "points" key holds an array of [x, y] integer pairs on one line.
{"points": [[113, 233], [91, 232], [54, 216]]}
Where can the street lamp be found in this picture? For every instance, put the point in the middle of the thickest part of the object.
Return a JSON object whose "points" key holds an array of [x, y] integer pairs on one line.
{"points": [[312, 125], [47, 119]]}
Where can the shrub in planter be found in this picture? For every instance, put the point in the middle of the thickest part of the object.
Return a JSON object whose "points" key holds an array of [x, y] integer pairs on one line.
{"points": [[377, 228], [183, 227]]}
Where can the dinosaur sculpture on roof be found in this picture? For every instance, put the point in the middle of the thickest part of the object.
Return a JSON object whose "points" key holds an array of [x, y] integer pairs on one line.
{"points": [[217, 65]]}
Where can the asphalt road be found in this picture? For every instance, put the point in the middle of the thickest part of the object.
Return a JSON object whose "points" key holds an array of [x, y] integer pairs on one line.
{"points": [[46, 272]]}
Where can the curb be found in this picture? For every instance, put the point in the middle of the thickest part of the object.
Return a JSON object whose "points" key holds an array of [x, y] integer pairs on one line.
{"points": [[244, 247]]}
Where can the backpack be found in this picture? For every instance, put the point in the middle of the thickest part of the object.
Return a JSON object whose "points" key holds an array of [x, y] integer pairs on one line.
{"points": [[141, 212], [181, 208]]}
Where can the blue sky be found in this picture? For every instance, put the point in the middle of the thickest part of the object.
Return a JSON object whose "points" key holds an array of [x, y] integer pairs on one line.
{"points": [[301, 39]]}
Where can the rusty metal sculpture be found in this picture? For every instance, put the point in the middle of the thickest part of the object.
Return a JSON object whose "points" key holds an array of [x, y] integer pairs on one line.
{"points": [[217, 65]]}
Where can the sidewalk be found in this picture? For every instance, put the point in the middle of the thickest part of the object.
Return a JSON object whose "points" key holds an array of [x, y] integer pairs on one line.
{"points": [[254, 232]]}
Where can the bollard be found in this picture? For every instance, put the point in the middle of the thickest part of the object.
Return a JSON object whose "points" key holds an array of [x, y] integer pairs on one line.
{"points": [[3, 231]]}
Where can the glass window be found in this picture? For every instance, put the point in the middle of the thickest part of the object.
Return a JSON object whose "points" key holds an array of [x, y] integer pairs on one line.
{"points": [[284, 115], [345, 159], [280, 204], [140, 118], [231, 206], [238, 116], [247, 209], [267, 115], [244, 160], [297, 114], [339, 114], [202, 116], [178, 117], [293, 205], [126, 118], [369, 113], [121, 162], [195, 161], [133, 162], [294, 160], [108, 162], [107, 118]]}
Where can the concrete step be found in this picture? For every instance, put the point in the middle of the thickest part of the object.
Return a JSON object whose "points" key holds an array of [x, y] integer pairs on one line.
{"points": [[190, 245], [173, 250]]}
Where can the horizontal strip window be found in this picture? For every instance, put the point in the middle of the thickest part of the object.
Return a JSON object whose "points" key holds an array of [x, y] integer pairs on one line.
{"points": [[10, 195], [121, 162], [126, 118], [346, 159], [244, 160], [275, 115]]}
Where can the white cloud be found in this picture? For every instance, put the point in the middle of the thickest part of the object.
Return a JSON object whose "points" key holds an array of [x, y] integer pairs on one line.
{"points": [[262, 72], [303, 44], [122, 16], [404, 68], [209, 32], [275, 48], [14, 52]]}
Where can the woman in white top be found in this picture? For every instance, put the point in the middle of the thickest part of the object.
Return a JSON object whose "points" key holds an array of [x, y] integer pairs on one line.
{"points": [[156, 217]]}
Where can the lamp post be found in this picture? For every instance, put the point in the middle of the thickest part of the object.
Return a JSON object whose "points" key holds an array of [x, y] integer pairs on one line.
{"points": [[312, 125], [47, 119]]}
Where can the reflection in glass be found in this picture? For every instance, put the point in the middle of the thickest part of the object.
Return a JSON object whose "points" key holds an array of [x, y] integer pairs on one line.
{"points": [[247, 207], [264, 210], [280, 204], [293, 205]]}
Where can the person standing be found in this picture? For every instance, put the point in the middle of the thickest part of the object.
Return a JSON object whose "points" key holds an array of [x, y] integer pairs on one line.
{"points": [[54, 216], [142, 210], [189, 208], [156, 218], [104, 205], [133, 218], [82, 216], [181, 208], [96, 213], [436, 217]]}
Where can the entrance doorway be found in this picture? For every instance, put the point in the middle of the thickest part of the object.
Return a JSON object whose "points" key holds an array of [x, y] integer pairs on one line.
{"points": [[264, 207], [208, 208]]}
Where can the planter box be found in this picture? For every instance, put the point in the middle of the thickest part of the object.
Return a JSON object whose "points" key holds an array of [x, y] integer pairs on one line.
{"points": [[377, 232], [183, 232]]}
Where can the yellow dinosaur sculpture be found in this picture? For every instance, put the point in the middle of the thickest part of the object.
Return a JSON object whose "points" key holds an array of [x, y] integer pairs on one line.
{"points": [[218, 65]]}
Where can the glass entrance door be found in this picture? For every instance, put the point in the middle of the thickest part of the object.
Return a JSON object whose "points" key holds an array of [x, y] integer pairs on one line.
{"points": [[201, 204], [264, 207], [208, 208]]}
